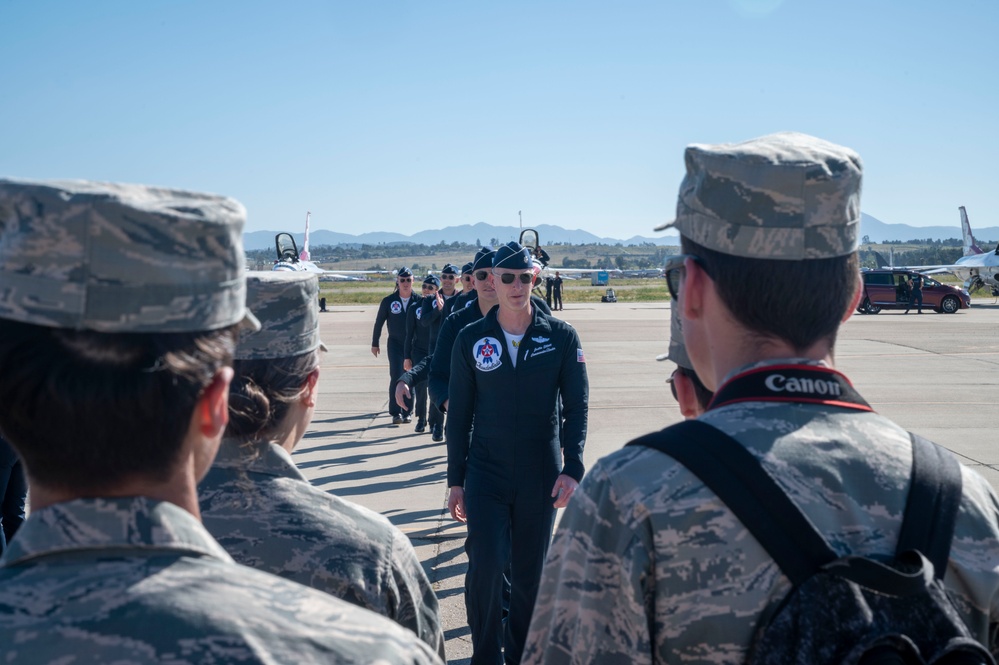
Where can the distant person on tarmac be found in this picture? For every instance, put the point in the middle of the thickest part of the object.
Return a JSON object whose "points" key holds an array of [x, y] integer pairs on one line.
{"points": [[557, 292], [915, 293], [393, 311]]}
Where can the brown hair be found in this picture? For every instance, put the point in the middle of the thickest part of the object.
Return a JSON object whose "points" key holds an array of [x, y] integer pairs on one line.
{"points": [[799, 302], [261, 392], [86, 410]]}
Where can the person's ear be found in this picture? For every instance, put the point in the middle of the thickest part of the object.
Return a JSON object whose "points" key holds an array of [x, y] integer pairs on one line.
{"points": [[310, 392], [686, 397], [858, 292], [213, 406], [695, 282]]}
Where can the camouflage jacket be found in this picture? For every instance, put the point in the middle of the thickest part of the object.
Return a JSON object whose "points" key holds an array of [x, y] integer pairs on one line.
{"points": [[134, 580], [267, 515], [648, 566]]}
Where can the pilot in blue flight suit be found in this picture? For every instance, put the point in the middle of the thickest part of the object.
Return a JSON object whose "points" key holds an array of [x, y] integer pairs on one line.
{"points": [[393, 310], [509, 474]]}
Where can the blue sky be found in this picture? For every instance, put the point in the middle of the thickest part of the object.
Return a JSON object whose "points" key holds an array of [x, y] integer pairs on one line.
{"points": [[382, 115]]}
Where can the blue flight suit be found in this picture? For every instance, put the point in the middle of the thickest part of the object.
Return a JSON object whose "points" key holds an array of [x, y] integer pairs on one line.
{"points": [[393, 311], [438, 364], [418, 347], [509, 461]]}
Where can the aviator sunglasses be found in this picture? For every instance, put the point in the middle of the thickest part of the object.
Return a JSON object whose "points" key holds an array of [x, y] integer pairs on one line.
{"points": [[673, 271], [405, 279], [524, 277]]}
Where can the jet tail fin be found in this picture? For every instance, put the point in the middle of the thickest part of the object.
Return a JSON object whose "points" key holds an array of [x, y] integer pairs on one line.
{"points": [[305, 246], [970, 247]]}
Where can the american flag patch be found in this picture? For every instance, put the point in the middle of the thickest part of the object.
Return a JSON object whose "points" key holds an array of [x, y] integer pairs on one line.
{"points": [[580, 357]]}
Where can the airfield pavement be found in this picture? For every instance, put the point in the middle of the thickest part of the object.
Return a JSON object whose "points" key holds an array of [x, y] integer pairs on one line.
{"points": [[935, 374]]}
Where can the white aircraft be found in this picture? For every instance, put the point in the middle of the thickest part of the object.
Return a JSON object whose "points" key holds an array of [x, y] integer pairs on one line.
{"points": [[529, 238], [976, 268], [289, 258]]}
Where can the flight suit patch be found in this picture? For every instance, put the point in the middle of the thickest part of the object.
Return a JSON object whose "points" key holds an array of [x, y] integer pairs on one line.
{"points": [[487, 353]]}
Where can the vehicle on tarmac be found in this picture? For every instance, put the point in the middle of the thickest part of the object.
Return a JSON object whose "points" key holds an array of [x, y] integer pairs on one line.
{"points": [[889, 289]]}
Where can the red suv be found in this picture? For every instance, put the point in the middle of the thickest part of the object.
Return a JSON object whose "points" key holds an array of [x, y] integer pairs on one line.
{"points": [[889, 289]]}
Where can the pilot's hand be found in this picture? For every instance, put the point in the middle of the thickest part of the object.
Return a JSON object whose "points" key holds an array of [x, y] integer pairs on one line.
{"points": [[407, 364], [374, 351], [402, 394], [563, 490], [456, 503], [439, 302]]}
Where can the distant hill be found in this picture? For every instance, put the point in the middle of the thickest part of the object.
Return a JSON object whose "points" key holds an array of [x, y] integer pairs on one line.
{"points": [[483, 233]]}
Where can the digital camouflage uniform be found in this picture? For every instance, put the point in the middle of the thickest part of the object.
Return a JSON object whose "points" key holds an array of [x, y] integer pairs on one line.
{"points": [[649, 566], [268, 516], [136, 580]]}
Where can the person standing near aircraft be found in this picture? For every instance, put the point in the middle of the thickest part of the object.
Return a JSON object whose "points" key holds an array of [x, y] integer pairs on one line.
{"points": [[418, 342], [915, 293], [118, 322], [260, 507], [509, 473], [557, 292], [648, 564], [393, 311]]}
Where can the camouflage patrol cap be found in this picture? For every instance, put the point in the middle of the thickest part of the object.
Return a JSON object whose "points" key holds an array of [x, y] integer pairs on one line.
{"points": [[287, 304], [120, 258], [784, 196], [677, 349]]}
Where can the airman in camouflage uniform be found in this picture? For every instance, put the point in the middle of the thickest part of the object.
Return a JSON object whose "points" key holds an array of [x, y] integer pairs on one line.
{"points": [[649, 566], [116, 293], [267, 515]]}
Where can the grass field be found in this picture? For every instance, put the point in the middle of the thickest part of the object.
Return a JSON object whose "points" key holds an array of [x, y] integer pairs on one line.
{"points": [[575, 291]]}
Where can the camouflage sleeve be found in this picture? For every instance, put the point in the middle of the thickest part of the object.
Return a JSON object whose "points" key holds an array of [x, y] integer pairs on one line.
{"points": [[596, 596], [417, 606]]}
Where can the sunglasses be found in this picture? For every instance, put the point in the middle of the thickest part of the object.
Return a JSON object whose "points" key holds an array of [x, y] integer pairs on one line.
{"points": [[447, 276], [481, 275], [674, 271], [405, 279], [429, 287], [524, 277]]}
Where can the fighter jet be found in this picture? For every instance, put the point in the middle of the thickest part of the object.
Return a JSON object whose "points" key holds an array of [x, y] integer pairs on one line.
{"points": [[289, 258], [976, 268]]}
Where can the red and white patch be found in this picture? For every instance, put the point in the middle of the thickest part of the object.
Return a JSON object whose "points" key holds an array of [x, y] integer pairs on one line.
{"points": [[396, 307], [580, 357]]}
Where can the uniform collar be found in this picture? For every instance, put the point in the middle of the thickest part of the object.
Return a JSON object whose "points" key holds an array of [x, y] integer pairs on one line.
{"points": [[128, 523], [259, 457], [773, 361], [539, 320]]}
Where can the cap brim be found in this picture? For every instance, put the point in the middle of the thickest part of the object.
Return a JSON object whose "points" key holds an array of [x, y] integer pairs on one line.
{"points": [[250, 322]]}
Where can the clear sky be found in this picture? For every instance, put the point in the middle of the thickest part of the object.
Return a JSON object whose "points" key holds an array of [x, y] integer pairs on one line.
{"points": [[385, 115]]}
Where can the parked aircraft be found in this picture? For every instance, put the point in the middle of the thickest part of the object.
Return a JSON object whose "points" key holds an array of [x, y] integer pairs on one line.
{"points": [[289, 258], [976, 268], [529, 238]]}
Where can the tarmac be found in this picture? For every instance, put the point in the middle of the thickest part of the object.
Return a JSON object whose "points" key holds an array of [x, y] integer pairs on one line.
{"points": [[935, 374]]}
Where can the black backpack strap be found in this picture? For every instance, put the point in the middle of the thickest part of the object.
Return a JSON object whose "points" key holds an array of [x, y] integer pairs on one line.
{"points": [[739, 480], [931, 507]]}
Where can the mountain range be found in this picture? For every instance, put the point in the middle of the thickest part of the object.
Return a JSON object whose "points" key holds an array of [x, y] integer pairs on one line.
{"points": [[482, 233]]}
